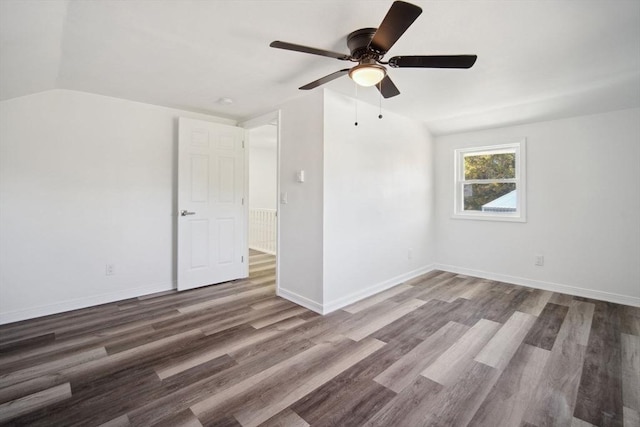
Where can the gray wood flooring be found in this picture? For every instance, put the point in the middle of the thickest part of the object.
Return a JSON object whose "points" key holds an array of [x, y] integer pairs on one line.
{"points": [[439, 350]]}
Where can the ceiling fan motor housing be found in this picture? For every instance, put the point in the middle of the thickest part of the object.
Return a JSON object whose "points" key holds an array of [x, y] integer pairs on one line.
{"points": [[358, 43]]}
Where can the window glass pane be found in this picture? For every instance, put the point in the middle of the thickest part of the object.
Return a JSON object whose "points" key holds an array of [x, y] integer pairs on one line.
{"points": [[490, 166], [499, 197]]}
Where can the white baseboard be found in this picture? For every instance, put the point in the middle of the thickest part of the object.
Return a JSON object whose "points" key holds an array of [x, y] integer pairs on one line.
{"points": [[300, 300], [372, 290], [547, 286], [75, 304]]}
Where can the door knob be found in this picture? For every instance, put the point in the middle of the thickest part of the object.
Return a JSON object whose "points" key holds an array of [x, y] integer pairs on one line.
{"points": [[185, 213]]}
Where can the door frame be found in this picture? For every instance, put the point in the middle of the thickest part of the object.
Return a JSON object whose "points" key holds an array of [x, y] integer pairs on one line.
{"points": [[265, 119]]}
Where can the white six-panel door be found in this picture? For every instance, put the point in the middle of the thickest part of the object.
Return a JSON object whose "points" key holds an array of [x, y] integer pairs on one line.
{"points": [[211, 213]]}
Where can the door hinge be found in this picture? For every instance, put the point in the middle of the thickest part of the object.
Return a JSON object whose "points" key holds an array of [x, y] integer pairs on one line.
{"points": [[242, 259], [243, 201], [243, 143]]}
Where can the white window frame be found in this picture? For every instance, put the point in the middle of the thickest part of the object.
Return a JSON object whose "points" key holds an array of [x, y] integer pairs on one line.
{"points": [[520, 215]]}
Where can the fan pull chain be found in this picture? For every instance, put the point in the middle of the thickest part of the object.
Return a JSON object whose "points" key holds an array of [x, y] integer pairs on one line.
{"points": [[380, 99], [356, 86]]}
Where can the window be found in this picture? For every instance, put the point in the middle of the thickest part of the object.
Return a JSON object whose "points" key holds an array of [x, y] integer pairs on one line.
{"points": [[490, 182]]}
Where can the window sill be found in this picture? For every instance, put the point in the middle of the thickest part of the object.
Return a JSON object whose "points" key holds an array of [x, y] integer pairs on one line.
{"points": [[481, 217]]}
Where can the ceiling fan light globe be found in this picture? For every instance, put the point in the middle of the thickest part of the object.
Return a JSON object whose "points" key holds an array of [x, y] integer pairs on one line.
{"points": [[367, 74]]}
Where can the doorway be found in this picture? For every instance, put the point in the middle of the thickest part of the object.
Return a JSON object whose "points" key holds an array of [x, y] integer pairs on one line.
{"points": [[262, 216]]}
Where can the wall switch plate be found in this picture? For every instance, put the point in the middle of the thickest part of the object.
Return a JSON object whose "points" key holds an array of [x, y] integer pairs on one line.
{"points": [[110, 269], [539, 261], [284, 198], [300, 176]]}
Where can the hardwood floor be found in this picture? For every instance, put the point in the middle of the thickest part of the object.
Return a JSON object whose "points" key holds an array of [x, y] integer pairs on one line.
{"points": [[439, 350]]}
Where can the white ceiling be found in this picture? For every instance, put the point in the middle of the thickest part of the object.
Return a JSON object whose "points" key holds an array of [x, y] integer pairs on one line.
{"points": [[537, 60]]}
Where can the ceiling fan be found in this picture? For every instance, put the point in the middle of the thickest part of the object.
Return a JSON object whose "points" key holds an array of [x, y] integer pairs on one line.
{"points": [[369, 45]]}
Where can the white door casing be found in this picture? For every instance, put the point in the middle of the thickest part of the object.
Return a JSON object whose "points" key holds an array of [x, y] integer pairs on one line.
{"points": [[211, 212]]}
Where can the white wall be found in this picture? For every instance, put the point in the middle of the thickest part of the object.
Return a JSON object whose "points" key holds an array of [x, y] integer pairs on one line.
{"points": [[378, 200], [583, 199], [263, 174], [85, 180], [300, 223], [367, 200]]}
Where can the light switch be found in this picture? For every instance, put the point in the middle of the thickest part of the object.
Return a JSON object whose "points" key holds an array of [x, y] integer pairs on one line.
{"points": [[300, 176], [283, 198]]}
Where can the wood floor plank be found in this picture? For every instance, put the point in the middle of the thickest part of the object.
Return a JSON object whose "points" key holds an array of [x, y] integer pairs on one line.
{"points": [[185, 395], [216, 404], [577, 323], [475, 288], [261, 291], [508, 400], [121, 421], [241, 318], [629, 320], [370, 326], [577, 422], [375, 299], [456, 289], [264, 267], [503, 345], [15, 408], [561, 299], [426, 320], [270, 302], [350, 398], [184, 418], [258, 410], [407, 408], [457, 404], [426, 402], [447, 368], [22, 344], [406, 370], [498, 303], [599, 399], [243, 356], [535, 303], [555, 397], [439, 290], [631, 417], [42, 369], [123, 390], [277, 317], [544, 332], [74, 344], [225, 348], [48, 324], [285, 418], [631, 371], [428, 278]]}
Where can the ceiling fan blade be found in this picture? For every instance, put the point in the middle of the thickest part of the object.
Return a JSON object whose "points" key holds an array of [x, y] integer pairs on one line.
{"points": [[325, 79], [387, 88], [433, 61], [399, 17], [307, 49]]}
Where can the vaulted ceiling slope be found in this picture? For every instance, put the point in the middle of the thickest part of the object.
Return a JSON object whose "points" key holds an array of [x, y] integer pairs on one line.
{"points": [[537, 60]]}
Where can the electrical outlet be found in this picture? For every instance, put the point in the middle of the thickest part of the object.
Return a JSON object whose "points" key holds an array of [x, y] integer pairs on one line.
{"points": [[110, 269], [539, 260]]}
